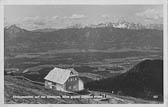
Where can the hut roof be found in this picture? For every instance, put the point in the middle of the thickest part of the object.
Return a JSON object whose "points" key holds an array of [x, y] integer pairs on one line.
{"points": [[59, 75]]}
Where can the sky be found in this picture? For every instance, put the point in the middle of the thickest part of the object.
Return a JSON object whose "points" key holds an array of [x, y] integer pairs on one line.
{"points": [[33, 17]]}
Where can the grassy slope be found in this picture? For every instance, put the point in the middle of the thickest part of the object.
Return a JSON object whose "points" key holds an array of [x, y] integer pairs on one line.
{"points": [[16, 87]]}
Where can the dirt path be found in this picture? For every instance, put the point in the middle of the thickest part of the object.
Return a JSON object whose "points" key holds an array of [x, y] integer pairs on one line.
{"points": [[117, 99]]}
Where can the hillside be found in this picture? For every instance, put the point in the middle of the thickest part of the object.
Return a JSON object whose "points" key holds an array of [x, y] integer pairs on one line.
{"points": [[144, 80], [18, 87], [20, 40]]}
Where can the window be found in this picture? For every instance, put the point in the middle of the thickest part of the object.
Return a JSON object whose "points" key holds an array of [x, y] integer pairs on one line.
{"points": [[72, 79], [74, 87], [49, 83], [53, 87]]}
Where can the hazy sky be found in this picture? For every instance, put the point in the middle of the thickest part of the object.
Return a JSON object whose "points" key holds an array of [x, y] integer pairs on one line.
{"points": [[59, 16]]}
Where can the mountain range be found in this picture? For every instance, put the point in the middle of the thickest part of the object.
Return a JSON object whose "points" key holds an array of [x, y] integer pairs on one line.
{"points": [[120, 24], [128, 25], [100, 38]]}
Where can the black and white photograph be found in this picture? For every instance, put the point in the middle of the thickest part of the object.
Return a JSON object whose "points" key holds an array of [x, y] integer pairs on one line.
{"points": [[84, 54]]}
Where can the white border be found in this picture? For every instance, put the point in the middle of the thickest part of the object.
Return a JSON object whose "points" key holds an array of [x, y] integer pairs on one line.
{"points": [[83, 2], [1, 55], [165, 21], [101, 2]]}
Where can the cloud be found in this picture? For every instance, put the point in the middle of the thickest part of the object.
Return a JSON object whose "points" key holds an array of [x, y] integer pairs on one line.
{"points": [[106, 16], [151, 14], [55, 17], [77, 16], [34, 18], [36, 22], [28, 22], [39, 23]]}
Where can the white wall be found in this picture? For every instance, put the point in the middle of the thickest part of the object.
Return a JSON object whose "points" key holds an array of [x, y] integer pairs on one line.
{"points": [[80, 84]]}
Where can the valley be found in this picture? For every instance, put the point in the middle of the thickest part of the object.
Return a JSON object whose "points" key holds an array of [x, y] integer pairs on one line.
{"points": [[100, 64]]}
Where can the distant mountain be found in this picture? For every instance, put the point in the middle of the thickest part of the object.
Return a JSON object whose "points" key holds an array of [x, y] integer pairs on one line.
{"points": [[128, 25], [155, 26], [45, 30], [20, 40], [143, 80], [14, 29]]}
